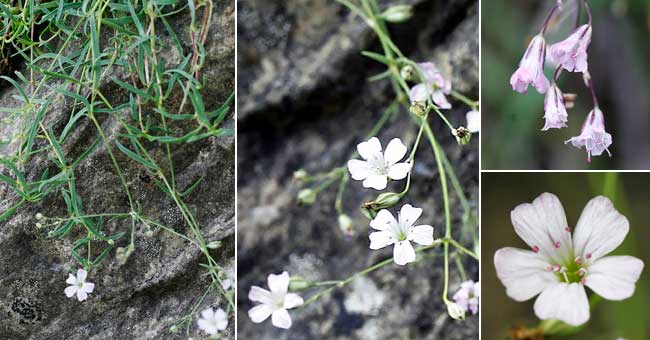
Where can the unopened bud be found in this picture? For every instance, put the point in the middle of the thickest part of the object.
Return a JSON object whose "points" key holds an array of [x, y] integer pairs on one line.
{"points": [[455, 311], [148, 233], [407, 72], [462, 135], [398, 13], [39, 216], [306, 197], [39, 225], [300, 175], [419, 109], [383, 200], [297, 283], [345, 223], [214, 244], [173, 329], [110, 242]]}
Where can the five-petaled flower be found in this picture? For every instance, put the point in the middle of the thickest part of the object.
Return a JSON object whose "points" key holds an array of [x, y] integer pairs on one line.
{"points": [[593, 135], [377, 168], [571, 52], [531, 68], [275, 302], [212, 321], [434, 84], [79, 286], [468, 296], [562, 263], [554, 109], [400, 232]]}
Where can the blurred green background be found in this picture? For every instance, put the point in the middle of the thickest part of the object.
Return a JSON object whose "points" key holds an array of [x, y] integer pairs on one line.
{"points": [[619, 61], [502, 192]]}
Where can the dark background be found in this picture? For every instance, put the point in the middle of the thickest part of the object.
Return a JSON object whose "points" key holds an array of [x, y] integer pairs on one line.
{"points": [[502, 192], [619, 62]]}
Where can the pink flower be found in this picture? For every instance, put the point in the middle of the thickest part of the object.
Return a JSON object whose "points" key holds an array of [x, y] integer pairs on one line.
{"points": [[593, 136], [434, 84], [468, 296], [554, 109], [571, 52], [531, 68]]}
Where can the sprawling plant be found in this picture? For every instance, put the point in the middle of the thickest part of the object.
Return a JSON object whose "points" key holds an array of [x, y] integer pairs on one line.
{"points": [[73, 53]]}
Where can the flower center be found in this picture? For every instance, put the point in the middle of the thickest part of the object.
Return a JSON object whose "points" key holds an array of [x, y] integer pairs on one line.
{"points": [[572, 272]]}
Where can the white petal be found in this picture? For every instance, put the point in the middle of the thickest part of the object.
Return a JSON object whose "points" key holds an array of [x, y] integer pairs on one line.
{"points": [[473, 121], [403, 253], [421, 234], [369, 149], [380, 239], [440, 100], [542, 224], [279, 284], [418, 93], [563, 301], [207, 326], [258, 294], [399, 171], [614, 277], [359, 170], [384, 221], [260, 313], [81, 275], [70, 291], [408, 214], [88, 287], [378, 182], [221, 319], [71, 280], [207, 313], [281, 319], [395, 151], [292, 301], [522, 272], [81, 295], [600, 229]]}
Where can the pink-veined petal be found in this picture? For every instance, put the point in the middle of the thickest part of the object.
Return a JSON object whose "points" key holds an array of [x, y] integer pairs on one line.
{"points": [[421, 234], [359, 170], [384, 221], [292, 300], [260, 313], [418, 93], [370, 148], [279, 284], [440, 100], [522, 272], [377, 182], [563, 301], [381, 239], [600, 229], [403, 253], [281, 319], [614, 277]]}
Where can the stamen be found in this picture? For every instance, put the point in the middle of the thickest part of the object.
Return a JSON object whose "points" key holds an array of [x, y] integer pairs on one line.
{"points": [[535, 249], [582, 272], [568, 229], [583, 281], [578, 260], [566, 278], [588, 256], [557, 244], [556, 268]]}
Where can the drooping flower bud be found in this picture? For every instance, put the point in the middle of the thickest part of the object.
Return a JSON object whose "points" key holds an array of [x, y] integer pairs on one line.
{"points": [[297, 283], [383, 201], [554, 109], [419, 108], [306, 197], [593, 136], [531, 68], [455, 311], [345, 224], [398, 13]]}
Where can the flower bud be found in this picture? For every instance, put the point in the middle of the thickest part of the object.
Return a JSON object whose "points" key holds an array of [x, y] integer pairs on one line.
{"points": [[297, 283], [345, 223], [300, 175], [398, 13], [39, 225], [148, 233], [39, 216], [214, 244], [383, 200], [455, 311], [462, 135], [306, 197], [368, 213], [419, 108], [407, 72], [173, 329], [110, 242]]}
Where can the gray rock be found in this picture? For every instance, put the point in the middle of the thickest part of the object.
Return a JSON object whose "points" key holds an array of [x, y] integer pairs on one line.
{"points": [[304, 102]]}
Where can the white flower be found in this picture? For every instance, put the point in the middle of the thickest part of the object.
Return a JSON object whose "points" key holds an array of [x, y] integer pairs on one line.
{"points": [[212, 321], [468, 296], [473, 121], [229, 280], [274, 303], [560, 264], [377, 167], [79, 286], [400, 233]]}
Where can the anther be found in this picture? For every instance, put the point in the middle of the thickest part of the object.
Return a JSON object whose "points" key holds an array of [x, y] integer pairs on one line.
{"points": [[588, 256], [536, 249], [583, 281], [578, 260], [582, 272], [556, 268], [568, 229], [557, 244]]}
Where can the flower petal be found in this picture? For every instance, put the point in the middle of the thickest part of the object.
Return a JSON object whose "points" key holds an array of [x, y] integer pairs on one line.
{"points": [[399, 171], [207, 313], [421, 234], [600, 229], [88, 287], [81, 275], [260, 313], [381, 239], [408, 214], [81, 295], [369, 149], [418, 93], [70, 291], [403, 253], [207, 326], [258, 294], [279, 284], [563, 301], [71, 280], [222, 319], [384, 221], [614, 277], [543, 226], [522, 272], [473, 121], [440, 100], [395, 151], [281, 319], [359, 170], [292, 300], [378, 182]]}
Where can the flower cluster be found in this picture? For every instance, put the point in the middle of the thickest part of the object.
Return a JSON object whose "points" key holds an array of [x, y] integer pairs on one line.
{"points": [[563, 261], [568, 55]]}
